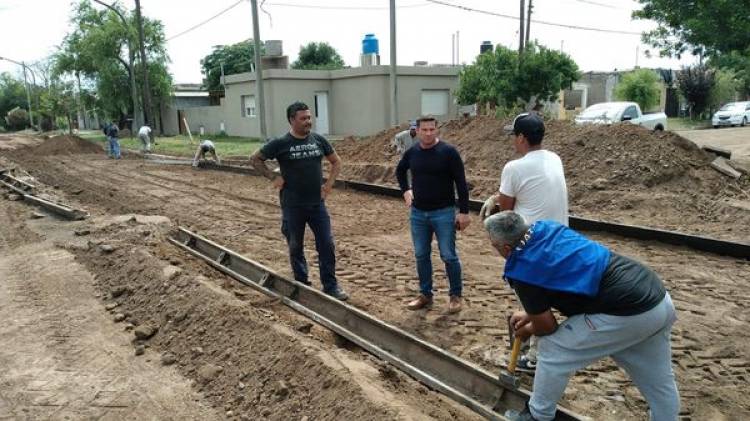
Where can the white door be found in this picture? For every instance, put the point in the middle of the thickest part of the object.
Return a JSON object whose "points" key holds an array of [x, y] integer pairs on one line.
{"points": [[321, 112]]}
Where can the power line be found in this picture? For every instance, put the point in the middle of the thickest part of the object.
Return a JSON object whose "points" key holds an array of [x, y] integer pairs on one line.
{"points": [[198, 25], [608, 6], [540, 22], [310, 6]]}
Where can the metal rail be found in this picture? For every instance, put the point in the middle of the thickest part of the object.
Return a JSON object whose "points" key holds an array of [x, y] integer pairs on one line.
{"points": [[60, 209], [707, 244], [459, 379]]}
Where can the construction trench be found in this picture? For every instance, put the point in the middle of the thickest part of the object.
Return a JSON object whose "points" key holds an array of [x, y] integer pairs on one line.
{"points": [[240, 212]]}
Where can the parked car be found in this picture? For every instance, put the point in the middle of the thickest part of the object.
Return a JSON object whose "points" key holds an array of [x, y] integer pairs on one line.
{"points": [[615, 112], [732, 114]]}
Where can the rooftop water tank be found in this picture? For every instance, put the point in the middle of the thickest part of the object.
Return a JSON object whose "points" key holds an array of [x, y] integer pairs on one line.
{"points": [[485, 46], [370, 45]]}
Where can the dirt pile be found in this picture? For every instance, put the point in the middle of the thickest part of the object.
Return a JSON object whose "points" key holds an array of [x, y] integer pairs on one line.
{"points": [[65, 144], [619, 172]]}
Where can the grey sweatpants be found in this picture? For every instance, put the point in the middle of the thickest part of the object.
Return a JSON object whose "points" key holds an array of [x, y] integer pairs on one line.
{"points": [[639, 344]]}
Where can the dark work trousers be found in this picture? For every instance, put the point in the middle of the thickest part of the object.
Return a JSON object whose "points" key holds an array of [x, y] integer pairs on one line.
{"points": [[294, 220]]}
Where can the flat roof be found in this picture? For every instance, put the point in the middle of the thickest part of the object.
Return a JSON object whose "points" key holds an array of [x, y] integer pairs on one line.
{"points": [[343, 73]]}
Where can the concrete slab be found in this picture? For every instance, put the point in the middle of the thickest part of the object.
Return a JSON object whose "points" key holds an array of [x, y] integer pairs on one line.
{"points": [[722, 165], [735, 139]]}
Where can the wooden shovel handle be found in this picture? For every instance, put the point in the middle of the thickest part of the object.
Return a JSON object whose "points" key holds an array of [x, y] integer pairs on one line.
{"points": [[514, 355]]}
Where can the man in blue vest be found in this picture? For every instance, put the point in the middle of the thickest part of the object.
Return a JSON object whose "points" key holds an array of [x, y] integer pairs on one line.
{"points": [[615, 307]]}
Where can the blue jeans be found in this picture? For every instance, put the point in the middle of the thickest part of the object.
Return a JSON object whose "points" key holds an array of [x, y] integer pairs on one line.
{"points": [[293, 222], [441, 222], [114, 147]]}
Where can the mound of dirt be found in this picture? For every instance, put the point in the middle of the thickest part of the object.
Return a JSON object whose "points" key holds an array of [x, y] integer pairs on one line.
{"points": [[620, 172], [65, 144]]}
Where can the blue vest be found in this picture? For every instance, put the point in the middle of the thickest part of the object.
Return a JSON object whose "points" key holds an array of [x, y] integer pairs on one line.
{"points": [[557, 258]]}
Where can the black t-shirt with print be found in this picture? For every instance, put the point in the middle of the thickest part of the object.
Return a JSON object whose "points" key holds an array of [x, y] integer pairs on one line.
{"points": [[627, 288], [301, 167]]}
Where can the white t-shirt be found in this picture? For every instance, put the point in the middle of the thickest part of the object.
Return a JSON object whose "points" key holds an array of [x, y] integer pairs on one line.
{"points": [[144, 131], [207, 144], [537, 182]]}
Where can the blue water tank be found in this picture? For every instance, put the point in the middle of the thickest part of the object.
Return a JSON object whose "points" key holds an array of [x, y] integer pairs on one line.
{"points": [[370, 45]]}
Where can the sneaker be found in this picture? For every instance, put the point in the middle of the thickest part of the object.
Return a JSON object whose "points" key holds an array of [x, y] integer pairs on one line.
{"points": [[513, 415], [420, 302], [454, 306], [526, 365], [338, 294]]}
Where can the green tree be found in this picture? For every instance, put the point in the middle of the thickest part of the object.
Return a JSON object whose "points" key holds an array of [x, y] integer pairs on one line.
{"points": [[236, 58], [699, 26], [725, 89], [695, 84], [641, 86], [501, 78], [12, 95], [318, 56], [738, 63], [99, 49], [17, 119]]}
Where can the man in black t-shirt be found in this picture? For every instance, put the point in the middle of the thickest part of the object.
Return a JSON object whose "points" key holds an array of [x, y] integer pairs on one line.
{"points": [[615, 307], [302, 193]]}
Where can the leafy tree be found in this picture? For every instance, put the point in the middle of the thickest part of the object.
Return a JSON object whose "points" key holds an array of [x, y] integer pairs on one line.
{"points": [[543, 73], [699, 26], [695, 84], [738, 63], [12, 95], [101, 48], [17, 119], [318, 56], [237, 58], [641, 86], [502, 78], [725, 88]]}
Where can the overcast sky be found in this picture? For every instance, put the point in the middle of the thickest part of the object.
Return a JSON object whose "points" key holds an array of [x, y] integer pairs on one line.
{"points": [[31, 29]]}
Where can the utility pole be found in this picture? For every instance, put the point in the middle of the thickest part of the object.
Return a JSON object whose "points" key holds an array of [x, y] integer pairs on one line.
{"points": [[458, 50], [137, 117], [528, 24], [259, 97], [394, 85], [147, 110], [453, 49], [521, 28], [28, 95]]}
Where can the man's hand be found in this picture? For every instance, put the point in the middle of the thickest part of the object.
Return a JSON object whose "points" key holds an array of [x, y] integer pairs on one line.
{"points": [[462, 221], [489, 208], [521, 325], [325, 190], [408, 198], [278, 182]]}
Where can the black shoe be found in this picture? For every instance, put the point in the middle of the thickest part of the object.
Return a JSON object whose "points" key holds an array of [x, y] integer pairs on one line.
{"points": [[338, 294], [526, 365]]}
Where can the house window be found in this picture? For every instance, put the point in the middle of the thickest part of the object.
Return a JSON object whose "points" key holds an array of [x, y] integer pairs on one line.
{"points": [[435, 101], [248, 105]]}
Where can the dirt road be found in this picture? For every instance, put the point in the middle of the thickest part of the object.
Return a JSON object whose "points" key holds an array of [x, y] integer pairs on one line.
{"points": [[62, 357], [735, 139], [375, 264]]}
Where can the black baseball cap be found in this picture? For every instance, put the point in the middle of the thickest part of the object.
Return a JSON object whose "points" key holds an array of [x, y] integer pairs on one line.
{"points": [[528, 124]]}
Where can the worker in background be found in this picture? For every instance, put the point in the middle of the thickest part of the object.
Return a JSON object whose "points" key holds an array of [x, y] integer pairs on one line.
{"points": [[113, 133], [303, 194], [405, 139], [205, 147], [437, 174], [532, 186], [614, 307], [144, 134]]}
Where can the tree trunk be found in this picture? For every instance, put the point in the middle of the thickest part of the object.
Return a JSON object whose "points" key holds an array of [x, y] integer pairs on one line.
{"points": [[147, 110]]}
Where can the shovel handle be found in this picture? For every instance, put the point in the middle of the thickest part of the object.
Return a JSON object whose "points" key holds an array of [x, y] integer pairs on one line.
{"points": [[514, 355]]}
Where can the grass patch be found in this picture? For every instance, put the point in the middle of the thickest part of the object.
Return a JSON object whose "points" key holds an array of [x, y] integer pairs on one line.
{"points": [[180, 145], [678, 123]]}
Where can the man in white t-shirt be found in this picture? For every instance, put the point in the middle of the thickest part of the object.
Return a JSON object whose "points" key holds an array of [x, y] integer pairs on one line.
{"points": [[144, 134], [204, 148], [532, 186]]}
